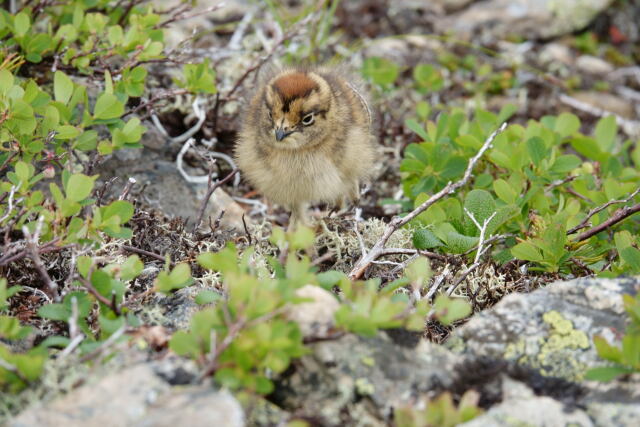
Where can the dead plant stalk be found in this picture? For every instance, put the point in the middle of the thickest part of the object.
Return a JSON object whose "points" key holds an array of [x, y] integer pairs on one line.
{"points": [[378, 248]]}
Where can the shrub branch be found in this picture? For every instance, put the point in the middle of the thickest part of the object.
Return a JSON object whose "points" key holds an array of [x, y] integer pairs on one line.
{"points": [[378, 248]]}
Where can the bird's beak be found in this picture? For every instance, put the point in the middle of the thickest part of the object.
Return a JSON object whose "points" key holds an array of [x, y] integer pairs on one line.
{"points": [[282, 134]]}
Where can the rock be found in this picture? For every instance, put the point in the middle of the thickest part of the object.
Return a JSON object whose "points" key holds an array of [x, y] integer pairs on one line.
{"points": [[593, 65], [222, 201], [556, 52], [520, 406], [405, 51], [452, 5], [166, 190], [362, 379], [551, 329], [526, 18], [194, 407], [135, 396], [315, 318], [607, 102]]}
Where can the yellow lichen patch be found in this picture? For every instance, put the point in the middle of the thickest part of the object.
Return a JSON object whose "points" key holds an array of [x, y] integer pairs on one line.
{"points": [[556, 356], [364, 387]]}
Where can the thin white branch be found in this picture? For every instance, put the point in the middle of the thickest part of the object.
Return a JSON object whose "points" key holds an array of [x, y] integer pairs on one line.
{"points": [[483, 230], [630, 127], [197, 111], [73, 344], [379, 248], [10, 203]]}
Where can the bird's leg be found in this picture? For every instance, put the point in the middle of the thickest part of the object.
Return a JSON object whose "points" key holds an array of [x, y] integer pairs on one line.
{"points": [[299, 216]]}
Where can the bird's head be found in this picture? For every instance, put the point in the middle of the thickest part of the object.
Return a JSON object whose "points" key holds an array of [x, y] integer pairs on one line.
{"points": [[297, 110]]}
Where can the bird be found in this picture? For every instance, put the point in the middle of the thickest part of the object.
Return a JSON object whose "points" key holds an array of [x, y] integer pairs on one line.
{"points": [[306, 137]]}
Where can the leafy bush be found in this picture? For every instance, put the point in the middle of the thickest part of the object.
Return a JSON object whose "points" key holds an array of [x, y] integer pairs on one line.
{"points": [[247, 337], [537, 185], [625, 359], [86, 62]]}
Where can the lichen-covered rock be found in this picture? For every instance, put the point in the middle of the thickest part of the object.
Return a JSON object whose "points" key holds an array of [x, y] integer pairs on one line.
{"points": [[135, 396], [551, 329], [357, 381], [316, 317], [526, 18], [521, 407]]}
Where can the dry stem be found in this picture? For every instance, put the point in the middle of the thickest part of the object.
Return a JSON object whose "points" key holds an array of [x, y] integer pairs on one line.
{"points": [[378, 248]]}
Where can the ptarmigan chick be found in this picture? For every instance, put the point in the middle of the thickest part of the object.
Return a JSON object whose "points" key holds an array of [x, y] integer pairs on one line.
{"points": [[306, 138]]}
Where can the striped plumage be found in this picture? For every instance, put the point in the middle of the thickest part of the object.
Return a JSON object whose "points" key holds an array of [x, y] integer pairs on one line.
{"points": [[306, 138]]}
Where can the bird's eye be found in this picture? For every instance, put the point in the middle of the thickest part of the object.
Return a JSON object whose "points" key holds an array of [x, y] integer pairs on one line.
{"points": [[308, 119]]}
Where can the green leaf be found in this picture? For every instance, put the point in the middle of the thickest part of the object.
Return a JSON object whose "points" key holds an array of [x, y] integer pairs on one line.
{"points": [[605, 133], [566, 163], [329, 279], [108, 107], [606, 373], [527, 252], [606, 350], [631, 256], [62, 87], [21, 24], [120, 208], [419, 271], [504, 191], [425, 239], [79, 187], [54, 311], [417, 128], [631, 350], [379, 70], [537, 150], [449, 310], [225, 261], [207, 297], [567, 124], [131, 268], [87, 141]]}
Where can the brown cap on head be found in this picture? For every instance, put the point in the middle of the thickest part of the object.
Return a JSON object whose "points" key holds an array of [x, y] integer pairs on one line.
{"points": [[294, 85]]}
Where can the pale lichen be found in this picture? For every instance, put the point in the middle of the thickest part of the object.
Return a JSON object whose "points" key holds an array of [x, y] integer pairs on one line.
{"points": [[553, 354]]}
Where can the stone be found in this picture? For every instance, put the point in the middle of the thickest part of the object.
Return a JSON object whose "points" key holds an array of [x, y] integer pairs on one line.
{"points": [[607, 102], [526, 18], [315, 318], [593, 65], [362, 377], [135, 396], [520, 406], [556, 52], [166, 190], [551, 329]]}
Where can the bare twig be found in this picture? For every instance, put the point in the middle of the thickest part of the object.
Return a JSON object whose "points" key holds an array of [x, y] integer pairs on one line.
{"points": [[379, 247], [31, 240], [585, 222], [212, 187], [73, 319], [246, 230], [127, 188], [105, 345], [483, 229], [617, 216], [143, 252], [111, 303]]}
